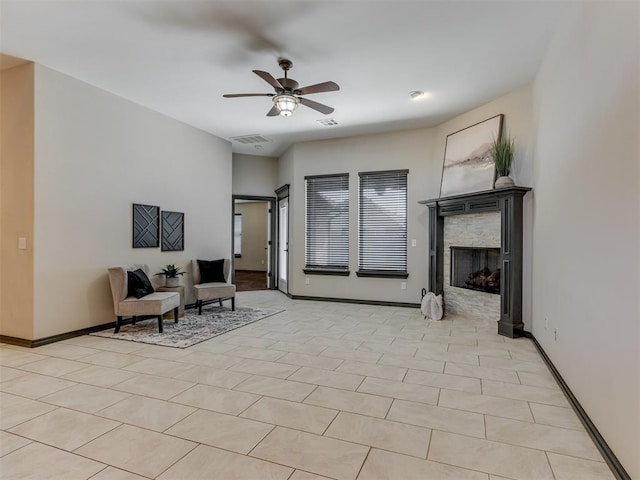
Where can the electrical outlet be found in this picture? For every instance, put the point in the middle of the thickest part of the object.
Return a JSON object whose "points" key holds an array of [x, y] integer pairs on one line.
{"points": [[546, 323], [403, 286], [22, 243], [262, 262], [413, 242], [306, 280], [555, 334]]}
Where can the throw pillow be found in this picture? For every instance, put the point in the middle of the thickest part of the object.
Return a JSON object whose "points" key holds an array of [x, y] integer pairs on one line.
{"points": [[211, 271], [139, 284]]}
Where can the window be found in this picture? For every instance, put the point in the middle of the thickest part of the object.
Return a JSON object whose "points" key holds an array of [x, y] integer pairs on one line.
{"points": [[382, 239], [327, 224]]}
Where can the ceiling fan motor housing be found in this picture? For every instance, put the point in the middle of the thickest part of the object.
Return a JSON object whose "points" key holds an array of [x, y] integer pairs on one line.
{"points": [[289, 84], [285, 63]]}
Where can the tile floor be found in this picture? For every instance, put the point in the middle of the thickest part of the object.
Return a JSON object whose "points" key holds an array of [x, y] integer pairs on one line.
{"points": [[321, 390]]}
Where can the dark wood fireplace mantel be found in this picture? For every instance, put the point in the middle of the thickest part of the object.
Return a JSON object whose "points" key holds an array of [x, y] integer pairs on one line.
{"points": [[507, 201]]}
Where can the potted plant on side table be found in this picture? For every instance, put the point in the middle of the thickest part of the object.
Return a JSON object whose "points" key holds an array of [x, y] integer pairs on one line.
{"points": [[502, 152], [171, 273]]}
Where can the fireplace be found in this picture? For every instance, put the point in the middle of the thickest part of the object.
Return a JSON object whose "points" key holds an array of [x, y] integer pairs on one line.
{"points": [[508, 202], [476, 268]]}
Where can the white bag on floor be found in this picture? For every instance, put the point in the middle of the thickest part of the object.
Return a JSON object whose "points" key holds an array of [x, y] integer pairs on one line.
{"points": [[432, 306]]}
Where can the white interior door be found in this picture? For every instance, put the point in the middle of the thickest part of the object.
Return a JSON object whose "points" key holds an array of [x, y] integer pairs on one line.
{"points": [[283, 244]]}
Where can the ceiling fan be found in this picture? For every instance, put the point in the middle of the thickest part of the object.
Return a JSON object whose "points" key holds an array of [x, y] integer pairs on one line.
{"points": [[287, 95]]}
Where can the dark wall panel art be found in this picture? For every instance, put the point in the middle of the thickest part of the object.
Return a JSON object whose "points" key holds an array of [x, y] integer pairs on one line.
{"points": [[146, 226], [172, 231]]}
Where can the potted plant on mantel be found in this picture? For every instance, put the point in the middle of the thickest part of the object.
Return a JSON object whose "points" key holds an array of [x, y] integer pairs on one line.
{"points": [[171, 273], [502, 152]]}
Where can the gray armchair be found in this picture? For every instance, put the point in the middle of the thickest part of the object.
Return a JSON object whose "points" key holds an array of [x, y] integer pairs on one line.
{"points": [[155, 304], [214, 290]]}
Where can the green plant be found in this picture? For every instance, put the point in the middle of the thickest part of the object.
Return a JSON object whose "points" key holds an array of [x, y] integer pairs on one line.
{"points": [[502, 152], [171, 271]]}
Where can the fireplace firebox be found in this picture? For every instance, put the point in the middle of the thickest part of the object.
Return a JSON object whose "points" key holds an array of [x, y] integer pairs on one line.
{"points": [[476, 268]]}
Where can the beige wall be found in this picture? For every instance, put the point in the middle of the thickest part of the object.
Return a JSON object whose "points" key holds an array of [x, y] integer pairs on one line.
{"points": [[518, 121], [253, 175], [16, 201], [586, 222], [399, 150], [422, 152], [95, 155], [285, 177], [254, 236]]}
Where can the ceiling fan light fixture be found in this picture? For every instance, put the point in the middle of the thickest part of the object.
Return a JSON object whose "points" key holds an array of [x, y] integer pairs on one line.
{"points": [[286, 104], [417, 95]]}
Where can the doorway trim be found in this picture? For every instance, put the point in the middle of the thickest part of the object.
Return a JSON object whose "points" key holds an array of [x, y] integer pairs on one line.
{"points": [[272, 235]]}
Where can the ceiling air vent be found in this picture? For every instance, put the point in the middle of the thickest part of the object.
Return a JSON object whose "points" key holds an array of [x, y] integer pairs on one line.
{"points": [[329, 122], [250, 139]]}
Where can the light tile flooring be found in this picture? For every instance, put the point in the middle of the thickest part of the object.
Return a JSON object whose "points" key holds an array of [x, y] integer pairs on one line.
{"points": [[321, 390]]}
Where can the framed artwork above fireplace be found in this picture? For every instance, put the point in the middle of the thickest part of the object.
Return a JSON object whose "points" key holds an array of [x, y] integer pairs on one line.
{"points": [[468, 165]]}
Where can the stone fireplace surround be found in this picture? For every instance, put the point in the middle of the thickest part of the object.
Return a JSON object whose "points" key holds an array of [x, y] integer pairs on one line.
{"points": [[472, 230], [508, 202]]}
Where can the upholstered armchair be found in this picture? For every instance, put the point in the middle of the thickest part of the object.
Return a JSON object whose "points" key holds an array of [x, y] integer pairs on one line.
{"points": [[154, 304], [217, 290]]}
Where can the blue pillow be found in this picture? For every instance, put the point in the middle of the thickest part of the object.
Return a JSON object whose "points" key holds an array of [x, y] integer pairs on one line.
{"points": [[139, 284], [211, 271]]}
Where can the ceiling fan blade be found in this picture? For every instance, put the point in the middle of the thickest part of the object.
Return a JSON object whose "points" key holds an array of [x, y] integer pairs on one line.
{"points": [[318, 88], [274, 112], [267, 77], [316, 106], [235, 95]]}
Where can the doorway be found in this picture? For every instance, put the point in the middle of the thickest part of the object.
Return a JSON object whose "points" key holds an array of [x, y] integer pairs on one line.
{"points": [[283, 245], [283, 239], [253, 232]]}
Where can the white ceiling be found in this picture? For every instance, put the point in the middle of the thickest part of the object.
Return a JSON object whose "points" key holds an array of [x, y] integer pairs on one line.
{"points": [[179, 57]]}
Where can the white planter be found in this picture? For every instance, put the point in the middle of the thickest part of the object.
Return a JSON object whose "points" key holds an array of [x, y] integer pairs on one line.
{"points": [[172, 282], [502, 182]]}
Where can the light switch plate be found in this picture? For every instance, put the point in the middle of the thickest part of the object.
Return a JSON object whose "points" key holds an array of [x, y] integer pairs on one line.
{"points": [[22, 243]]}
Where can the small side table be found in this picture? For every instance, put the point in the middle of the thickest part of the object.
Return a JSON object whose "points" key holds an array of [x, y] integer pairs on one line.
{"points": [[180, 290]]}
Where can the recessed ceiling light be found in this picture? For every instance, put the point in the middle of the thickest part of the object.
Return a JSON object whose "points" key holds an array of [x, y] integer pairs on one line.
{"points": [[418, 95], [328, 122]]}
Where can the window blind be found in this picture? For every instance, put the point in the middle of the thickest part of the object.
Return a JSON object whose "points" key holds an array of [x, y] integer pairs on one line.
{"points": [[382, 239], [327, 222]]}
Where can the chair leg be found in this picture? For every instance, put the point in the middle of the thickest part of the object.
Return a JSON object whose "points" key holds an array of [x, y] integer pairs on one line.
{"points": [[175, 315], [233, 303], [220, 301], [199, 307], [160, 329], [118, 323]]}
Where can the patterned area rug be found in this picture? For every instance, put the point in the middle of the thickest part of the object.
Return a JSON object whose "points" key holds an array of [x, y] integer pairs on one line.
{"points": [[192, 328]]}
